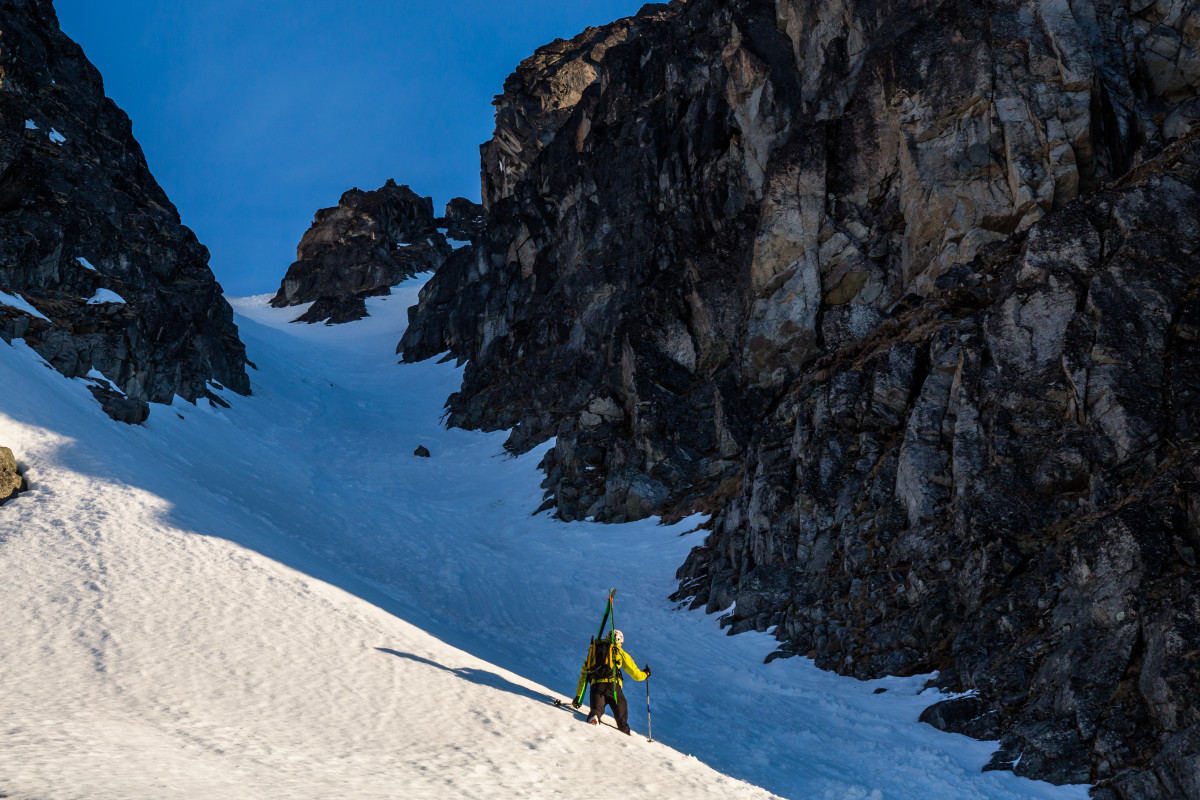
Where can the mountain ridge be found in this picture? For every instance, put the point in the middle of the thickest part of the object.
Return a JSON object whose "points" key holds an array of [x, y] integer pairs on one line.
{"points": [[100, 274]]}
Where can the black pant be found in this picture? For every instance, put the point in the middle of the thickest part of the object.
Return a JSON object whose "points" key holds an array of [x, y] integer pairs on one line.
{"points": [[610, 693]]}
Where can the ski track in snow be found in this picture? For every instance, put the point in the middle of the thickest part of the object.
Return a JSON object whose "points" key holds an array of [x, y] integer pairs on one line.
{"points": [[279, 600]]}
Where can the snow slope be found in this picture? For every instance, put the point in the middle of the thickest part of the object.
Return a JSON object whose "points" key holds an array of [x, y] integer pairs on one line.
{"points": [[279, 600]]}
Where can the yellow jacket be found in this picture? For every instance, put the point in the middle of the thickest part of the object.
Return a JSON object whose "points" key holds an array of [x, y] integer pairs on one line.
{"points": [[623, 663]]}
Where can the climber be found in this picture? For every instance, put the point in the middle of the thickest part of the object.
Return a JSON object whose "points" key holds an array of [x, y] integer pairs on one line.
{"points": [[602, 667]]}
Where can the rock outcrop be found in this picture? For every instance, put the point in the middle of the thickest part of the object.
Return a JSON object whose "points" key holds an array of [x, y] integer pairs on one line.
{"points": [[1001, 483], [96, 270], [12, 482], [123, 408], [368, 243], [464, 221], [902, 293]]}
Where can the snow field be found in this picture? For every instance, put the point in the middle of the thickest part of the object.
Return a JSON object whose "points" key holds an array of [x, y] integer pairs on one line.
{"points": [[278, 600]]}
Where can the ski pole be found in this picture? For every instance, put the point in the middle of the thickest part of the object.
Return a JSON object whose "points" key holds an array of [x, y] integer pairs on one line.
{"points": [[649, 729]]}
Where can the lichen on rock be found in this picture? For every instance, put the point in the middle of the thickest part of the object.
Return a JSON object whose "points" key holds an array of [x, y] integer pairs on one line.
{"points": [[12, 482]]}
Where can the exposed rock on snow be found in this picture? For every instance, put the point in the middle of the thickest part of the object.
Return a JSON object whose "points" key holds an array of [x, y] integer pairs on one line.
{"points": [[129, 410], [94, 195], [334, 310], [903, 292], [362, 247], [11, 481], [422, 451]]}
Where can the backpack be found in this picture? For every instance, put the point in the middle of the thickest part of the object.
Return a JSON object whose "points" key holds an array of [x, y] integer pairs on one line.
{"points": [[605, 662]]}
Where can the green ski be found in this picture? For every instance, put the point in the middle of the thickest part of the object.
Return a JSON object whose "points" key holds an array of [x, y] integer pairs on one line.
{"points": [[608, 613]]}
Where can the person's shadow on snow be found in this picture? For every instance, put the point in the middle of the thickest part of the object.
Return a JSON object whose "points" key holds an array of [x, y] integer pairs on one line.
{"points": [[478, 676]]}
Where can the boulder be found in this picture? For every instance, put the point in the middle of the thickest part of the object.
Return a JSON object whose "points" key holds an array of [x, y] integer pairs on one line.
{"points": [[11, 481], [121, 408]]}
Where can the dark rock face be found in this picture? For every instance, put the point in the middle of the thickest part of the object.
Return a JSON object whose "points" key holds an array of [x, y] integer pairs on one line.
{"points": [[901, 292], [11, 481], [577, 281], [89, 239], [464, 221], [129, 410], [335, 311], [539, 100], [368, 243], [996, 484]]}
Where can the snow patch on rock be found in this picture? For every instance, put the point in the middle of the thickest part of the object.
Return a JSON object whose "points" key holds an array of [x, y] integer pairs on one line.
{"points": [[21, 304], [105, 296]]}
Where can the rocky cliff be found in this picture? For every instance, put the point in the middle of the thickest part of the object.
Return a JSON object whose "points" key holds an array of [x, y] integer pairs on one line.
{"points": [[367, 243], [96, 269], [1001, 482], [903, 293]]}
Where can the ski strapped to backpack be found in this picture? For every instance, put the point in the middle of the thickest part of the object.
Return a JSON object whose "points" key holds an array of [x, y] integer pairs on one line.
{"points": [[603, 667], [590, 665]]}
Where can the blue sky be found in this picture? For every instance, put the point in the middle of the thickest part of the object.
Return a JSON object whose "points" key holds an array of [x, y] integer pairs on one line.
{"points": [[255, 113]]}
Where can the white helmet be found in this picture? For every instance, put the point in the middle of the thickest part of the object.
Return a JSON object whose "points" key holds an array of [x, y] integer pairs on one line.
{"points": [[620, 637]]}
